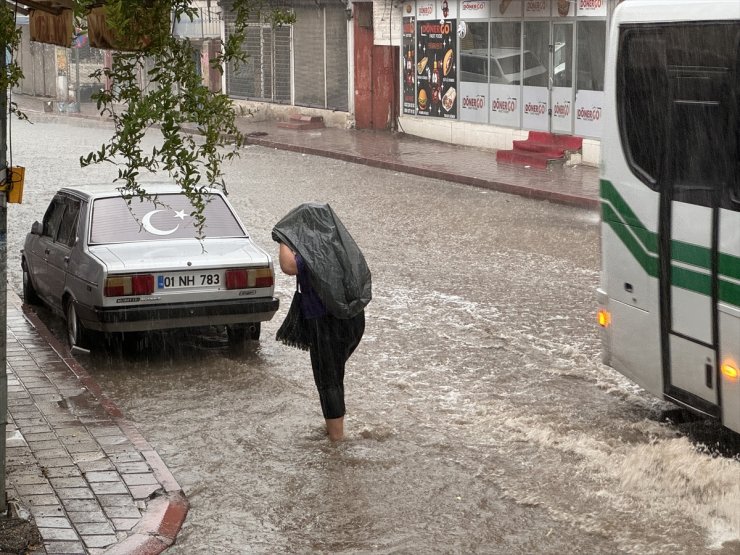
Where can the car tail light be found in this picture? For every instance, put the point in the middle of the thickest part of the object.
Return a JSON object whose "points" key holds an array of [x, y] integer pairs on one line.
{"points": [[236, 279], [243, 278], [262, 277], [138, 284]]}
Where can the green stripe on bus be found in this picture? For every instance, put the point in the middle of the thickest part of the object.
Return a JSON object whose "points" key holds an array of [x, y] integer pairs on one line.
{"points": [[729, 265], [610, 193], [648, 261], [729, 292], [643, 244], [628, 217], [693, 281], [691, 254]]}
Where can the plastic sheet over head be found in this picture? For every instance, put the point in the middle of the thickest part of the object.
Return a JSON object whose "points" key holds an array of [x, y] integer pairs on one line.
{"points": [[336, 265]]}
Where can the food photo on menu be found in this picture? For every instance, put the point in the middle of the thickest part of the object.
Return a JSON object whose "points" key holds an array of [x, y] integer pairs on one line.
{"points": [[436, 68], [409, 65]]}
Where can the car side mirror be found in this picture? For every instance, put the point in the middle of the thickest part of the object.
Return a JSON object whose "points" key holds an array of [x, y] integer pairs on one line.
{"points": [[37, 228]]}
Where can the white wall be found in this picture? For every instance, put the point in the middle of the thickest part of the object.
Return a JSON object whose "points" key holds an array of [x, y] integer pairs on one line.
{"points": [[387, 22], [266, 111], [482, 136]]}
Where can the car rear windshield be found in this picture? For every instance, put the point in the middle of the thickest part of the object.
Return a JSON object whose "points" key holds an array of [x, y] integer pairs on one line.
{"points": [[115, 221]]}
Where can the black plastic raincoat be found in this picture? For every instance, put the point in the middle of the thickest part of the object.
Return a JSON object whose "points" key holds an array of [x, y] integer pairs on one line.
{"points": [[336, 265]]}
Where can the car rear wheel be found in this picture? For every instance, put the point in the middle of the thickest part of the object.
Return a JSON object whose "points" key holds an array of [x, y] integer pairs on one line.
{"points": [[29, 293], [77, 335]]}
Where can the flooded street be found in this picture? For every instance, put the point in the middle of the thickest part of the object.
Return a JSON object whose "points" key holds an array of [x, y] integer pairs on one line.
{"points": [[479, 416]]}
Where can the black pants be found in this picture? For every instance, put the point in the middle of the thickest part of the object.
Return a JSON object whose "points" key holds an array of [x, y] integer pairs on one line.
{"points": [[332, 342]]}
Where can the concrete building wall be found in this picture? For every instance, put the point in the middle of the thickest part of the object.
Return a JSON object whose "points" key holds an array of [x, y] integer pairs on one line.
{"points": [[38, 62]]}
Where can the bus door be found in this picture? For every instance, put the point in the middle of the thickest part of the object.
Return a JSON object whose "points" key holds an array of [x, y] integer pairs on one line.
{"points": [[695, 185]]}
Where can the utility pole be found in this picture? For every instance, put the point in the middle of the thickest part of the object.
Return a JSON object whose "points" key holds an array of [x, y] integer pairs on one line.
{"points": [[4, 175]]}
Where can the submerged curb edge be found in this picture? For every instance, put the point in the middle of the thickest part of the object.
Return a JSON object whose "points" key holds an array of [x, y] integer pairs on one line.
{"points": [[164, 515]]}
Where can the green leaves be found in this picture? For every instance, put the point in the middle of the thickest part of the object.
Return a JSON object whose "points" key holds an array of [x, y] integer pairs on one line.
{"points": [[156, 84]]}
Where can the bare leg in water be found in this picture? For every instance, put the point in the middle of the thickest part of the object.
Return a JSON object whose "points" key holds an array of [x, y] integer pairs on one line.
{"points": [[335, 428]]}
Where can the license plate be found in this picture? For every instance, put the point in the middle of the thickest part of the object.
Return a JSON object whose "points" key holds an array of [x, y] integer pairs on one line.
{"points": [[190, 280]]}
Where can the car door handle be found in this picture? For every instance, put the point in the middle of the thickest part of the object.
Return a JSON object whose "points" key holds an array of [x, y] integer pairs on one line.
{"points": [[66, 259], [47, 251]]}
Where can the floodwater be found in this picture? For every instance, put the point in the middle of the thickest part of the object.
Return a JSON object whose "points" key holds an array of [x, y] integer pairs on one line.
{"points": [[480, 419]]}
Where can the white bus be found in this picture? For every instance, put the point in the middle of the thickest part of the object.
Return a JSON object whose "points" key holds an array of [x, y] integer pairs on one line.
{"points": [[669, 296]]}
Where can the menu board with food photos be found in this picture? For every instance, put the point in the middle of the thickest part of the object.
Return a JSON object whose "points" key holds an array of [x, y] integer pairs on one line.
{"points": [[408, 67], [436, 68]]}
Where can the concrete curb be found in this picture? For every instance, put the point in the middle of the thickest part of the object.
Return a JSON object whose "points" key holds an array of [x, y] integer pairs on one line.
{"points": [[164, 515], [577, 201], [528, 192], [158, 527]]}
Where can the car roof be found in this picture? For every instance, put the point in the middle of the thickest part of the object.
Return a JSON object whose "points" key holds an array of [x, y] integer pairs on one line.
{"points": [[106, 190]]}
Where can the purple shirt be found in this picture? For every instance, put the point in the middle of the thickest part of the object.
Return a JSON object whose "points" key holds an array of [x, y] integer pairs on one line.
{"points": [[311, 304]]}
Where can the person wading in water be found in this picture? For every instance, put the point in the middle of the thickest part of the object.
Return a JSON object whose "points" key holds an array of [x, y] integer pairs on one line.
{"points": [[335, 285]]}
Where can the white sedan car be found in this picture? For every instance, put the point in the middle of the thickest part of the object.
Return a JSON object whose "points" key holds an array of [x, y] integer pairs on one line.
{"points": [[112, 265]]}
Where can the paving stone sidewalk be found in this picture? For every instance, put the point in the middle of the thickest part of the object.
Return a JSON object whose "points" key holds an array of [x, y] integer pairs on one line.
{"points": [[87, 476]]}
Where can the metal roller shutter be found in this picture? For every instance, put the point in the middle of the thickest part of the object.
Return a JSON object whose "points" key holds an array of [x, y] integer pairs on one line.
{"points": [[319, 67], [308, 55], [336, 58]]}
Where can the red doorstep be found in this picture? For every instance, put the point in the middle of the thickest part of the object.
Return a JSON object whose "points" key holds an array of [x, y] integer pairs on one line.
{"points": [[540, 149]]}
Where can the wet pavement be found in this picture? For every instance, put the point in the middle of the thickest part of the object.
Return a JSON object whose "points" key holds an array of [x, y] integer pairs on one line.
{"points": [[91, 481], [576, 185]]}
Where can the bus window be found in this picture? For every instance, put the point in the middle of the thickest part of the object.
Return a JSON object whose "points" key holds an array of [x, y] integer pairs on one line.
{"points": [[736, 88], [677, 108], [640, 109], [699, 116]]}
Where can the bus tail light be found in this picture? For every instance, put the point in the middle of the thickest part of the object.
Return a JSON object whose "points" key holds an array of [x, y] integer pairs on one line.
{"points": [[137, 284], [604, 317], [729, 369], [244, 278]]}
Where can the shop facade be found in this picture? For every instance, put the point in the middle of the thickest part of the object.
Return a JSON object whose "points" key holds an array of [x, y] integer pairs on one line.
{"points": [[300, 67], [486, 72]]}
